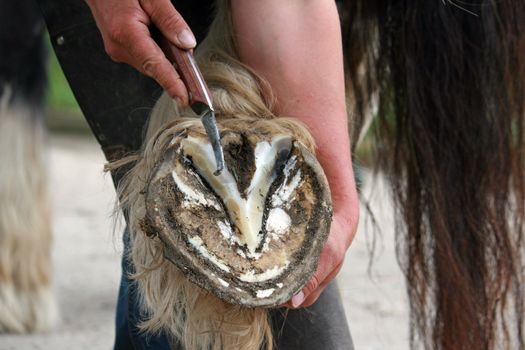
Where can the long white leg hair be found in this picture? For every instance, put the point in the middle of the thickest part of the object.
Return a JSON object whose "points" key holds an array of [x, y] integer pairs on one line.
{"points": [[26, 301]]}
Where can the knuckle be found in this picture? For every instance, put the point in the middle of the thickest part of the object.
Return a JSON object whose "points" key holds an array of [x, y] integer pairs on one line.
{"points": [[312, 284], [150, 65], [113, 51], [121, 32]]}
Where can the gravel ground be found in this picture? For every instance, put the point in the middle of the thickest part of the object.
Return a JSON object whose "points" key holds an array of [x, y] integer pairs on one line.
{"points": [[87, 257]]}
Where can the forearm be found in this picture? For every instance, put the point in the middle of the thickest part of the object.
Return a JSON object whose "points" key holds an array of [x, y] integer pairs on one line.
{"points": [[296, 46]]}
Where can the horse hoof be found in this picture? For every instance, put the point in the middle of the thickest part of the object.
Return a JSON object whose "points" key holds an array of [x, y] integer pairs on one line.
{"points": [[251, 235]]}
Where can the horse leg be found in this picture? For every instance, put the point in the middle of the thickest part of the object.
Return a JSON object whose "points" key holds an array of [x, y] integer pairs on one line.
{"points": [[26, 300]]}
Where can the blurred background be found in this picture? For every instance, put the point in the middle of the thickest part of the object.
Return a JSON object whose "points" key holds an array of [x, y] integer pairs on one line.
{"points": [[87, 248], [62, 111]]}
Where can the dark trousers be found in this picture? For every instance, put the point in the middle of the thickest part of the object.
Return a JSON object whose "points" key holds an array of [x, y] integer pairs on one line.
{"points": [[116, 101]]}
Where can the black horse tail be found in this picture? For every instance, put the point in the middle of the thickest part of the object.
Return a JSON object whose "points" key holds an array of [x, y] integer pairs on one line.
{"points": [[449, 78]]}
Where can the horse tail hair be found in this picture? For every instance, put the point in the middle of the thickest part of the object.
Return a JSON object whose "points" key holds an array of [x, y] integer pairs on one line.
{"points": [[449, 81]]}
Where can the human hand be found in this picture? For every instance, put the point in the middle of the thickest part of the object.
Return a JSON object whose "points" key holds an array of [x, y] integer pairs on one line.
{"points": [[342, 232], [127, 38]]}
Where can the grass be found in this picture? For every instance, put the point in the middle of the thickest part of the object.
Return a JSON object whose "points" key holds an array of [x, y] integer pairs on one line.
{"points": [[62, 110], [59, 96]]}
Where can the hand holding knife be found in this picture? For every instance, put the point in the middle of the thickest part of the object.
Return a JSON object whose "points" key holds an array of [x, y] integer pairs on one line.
{"points": [[199, 95]]}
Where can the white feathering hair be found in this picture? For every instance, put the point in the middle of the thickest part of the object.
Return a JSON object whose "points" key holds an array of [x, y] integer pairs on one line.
{"points": [[26, 299]]}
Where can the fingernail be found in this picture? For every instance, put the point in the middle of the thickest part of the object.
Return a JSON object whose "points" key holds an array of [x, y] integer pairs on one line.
{"points": [[298, 299], [178, 100], [187, 39]]}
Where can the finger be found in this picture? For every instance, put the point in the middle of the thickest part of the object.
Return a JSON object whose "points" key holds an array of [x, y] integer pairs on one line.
{"points": [[330, 262], [312, 297], [302, 299], [169, 22], [150, 60]]}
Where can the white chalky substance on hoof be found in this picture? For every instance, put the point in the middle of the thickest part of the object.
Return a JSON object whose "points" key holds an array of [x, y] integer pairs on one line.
{"points": [[278, 221]]}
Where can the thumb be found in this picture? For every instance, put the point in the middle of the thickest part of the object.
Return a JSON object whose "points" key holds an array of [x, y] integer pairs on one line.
{"points": [[170, 22]]}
